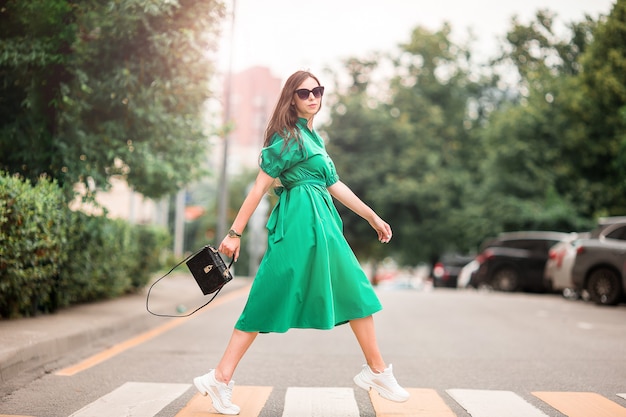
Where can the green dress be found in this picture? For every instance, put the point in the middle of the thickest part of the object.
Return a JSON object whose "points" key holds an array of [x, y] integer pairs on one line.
{"points": [[309, 276]]}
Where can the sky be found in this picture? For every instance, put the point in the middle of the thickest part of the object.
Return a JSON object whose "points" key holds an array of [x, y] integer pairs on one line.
{"points": [[290, 35]]}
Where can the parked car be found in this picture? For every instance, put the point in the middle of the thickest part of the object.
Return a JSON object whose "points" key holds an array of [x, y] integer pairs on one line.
{"points": [[445, 272], [600, 265], [558, 271], [557, 274], [515, 261]]}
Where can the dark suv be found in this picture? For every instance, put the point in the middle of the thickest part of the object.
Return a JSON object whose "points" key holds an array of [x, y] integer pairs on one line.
{"points": [[515, 261]]}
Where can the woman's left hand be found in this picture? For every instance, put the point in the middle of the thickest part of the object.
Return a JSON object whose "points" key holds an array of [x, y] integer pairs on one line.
{"points": [[341, 192], [382, 229]]}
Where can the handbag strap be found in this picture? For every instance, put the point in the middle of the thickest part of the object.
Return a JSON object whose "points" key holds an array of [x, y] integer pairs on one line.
{"points": [[170, 271]]}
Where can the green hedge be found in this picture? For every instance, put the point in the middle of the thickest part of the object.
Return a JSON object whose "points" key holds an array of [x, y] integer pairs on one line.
{"points": [[52, 257], [108, 258], [33, 237]]}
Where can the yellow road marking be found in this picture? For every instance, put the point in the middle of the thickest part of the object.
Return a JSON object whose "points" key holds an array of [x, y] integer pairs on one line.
{"points": [[143, 337], [582, 404], [423, 402], [250, 399]]}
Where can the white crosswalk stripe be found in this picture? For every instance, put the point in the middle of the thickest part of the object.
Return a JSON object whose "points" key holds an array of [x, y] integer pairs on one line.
{"points": [[134, 399], [320, 402], [622, 395], [485, 403]]}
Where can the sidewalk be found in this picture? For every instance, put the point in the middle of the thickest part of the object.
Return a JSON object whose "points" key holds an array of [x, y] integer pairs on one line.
{"points": [[33, 344]]}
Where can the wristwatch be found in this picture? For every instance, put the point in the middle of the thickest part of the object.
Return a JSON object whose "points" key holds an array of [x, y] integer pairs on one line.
{"points": [[233, 233]]}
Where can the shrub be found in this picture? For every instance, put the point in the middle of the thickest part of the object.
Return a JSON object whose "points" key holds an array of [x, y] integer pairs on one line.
{"points": [[52, 257], [33, 236], [152, 245]]}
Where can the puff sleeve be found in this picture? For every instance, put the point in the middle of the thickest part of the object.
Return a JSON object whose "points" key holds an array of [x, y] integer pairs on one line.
{"points": [[277, 158], [332, 177]]}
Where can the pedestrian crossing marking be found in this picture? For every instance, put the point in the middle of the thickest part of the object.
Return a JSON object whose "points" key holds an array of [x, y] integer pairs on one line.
{"points": [[133, 398], [251, 399], [487, 403], [320, 402], [142, 399], [582, 404], [422, 403]]}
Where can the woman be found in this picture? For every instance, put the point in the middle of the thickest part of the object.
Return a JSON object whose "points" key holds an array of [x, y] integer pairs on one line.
{"points": [[309, 276]]}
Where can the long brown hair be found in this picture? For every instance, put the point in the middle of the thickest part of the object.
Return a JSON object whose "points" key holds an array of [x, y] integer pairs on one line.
{"points": [[285, 116]]}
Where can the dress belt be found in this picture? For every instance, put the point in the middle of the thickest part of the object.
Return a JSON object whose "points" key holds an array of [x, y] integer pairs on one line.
{"points": [[307, 181]]}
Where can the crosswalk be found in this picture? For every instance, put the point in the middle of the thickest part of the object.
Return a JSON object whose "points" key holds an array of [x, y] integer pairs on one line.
{"points": [[141, 399]]}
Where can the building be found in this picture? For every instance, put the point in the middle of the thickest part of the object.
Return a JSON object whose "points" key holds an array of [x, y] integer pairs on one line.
{"points": [[254, 94]]}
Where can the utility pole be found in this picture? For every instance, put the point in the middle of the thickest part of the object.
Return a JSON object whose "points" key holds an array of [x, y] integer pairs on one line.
{"points": [[222, 206], [179, 224]]}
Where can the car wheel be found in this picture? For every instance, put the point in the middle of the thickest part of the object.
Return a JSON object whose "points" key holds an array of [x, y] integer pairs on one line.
{"points": [[604, 286], [505, 279]]}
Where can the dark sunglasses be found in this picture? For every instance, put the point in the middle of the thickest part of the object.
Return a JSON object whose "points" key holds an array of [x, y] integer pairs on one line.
{"points": [[303, 93]]}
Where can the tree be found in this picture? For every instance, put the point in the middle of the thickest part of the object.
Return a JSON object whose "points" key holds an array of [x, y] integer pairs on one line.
{"points": [[35, 40], [405, 150], [106, 88], [602, 108], [529, 168], [450, 157]]}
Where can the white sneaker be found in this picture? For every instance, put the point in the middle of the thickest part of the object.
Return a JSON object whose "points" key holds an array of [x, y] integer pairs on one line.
{"points": [[220, 393], [384, 383]]}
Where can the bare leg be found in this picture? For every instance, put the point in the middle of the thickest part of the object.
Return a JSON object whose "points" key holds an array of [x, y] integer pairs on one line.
{"points": [[237, 347], [366, 336]]}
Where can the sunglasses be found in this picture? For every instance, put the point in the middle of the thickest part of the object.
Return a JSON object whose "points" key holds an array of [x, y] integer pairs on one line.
{"points": [[303, 93]]}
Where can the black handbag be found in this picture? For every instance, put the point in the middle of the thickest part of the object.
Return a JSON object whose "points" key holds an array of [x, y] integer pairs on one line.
{"points": [[208, 269]]}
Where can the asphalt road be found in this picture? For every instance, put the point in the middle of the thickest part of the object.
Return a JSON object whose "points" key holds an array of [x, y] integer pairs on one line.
{"points": [[439, 340]]}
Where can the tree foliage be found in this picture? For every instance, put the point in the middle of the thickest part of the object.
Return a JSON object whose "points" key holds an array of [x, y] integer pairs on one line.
{"points": [[602, 109], [407, 150], [555, 157], [527, 171], [101, 88]]}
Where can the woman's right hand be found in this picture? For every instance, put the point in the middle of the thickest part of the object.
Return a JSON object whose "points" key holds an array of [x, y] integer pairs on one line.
{"points": [[230, 247]]}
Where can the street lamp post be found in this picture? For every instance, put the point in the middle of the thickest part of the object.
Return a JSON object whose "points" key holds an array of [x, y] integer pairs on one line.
{"points": [[223, 184]]}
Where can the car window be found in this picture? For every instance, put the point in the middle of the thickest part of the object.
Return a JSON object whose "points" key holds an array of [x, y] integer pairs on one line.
{"points": [[527, 244], [533, 245], [619, 233], [554, 242], [511, 244]]}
